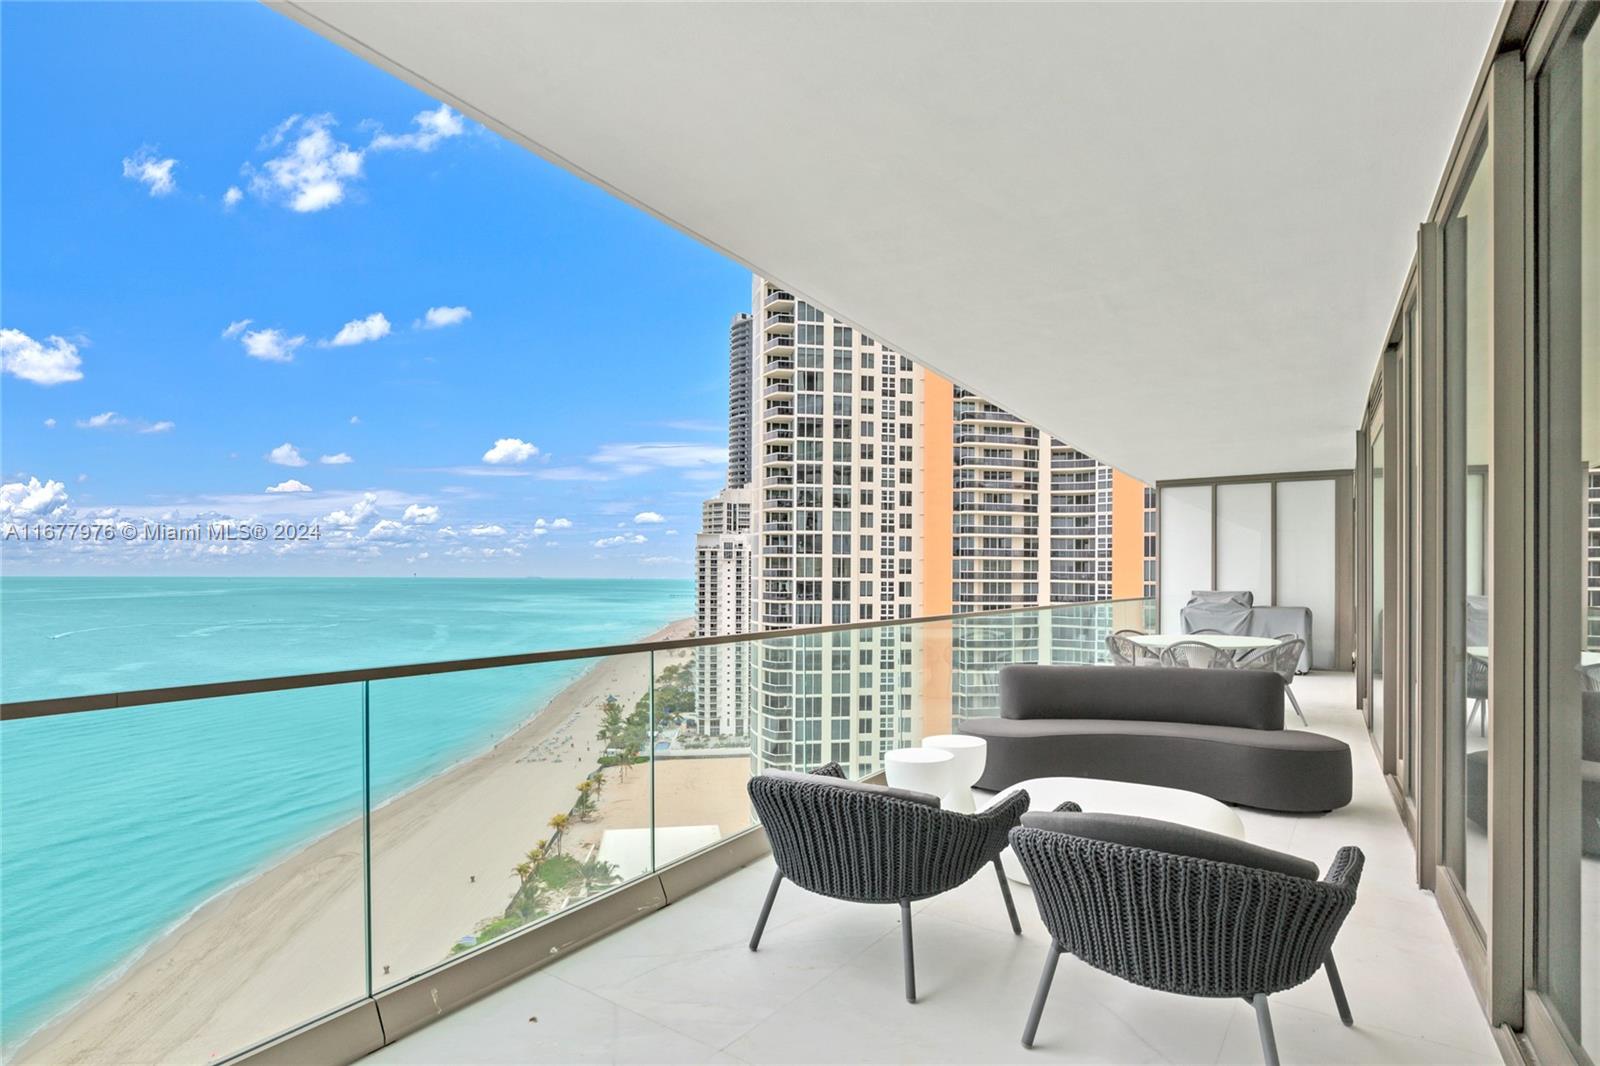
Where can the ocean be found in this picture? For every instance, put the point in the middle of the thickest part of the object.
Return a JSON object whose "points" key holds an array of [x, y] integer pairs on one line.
{"points": [[116, 824]]}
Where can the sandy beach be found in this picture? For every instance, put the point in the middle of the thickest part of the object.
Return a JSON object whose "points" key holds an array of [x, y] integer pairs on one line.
{"points": [[287, 944]]}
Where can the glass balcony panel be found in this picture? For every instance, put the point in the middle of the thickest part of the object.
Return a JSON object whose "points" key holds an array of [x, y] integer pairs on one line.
{"points": [[542, 801], [187, 877]]}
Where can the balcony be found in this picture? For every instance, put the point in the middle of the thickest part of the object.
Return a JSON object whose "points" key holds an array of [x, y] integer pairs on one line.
{"points": [[964, 435], [780, 322], [778, 300], [778, 434], [781, 343], [779, 388], [778, 364]]}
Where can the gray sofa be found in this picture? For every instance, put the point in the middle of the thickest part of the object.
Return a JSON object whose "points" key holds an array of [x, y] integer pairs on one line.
{"points": [[1216, 732]]}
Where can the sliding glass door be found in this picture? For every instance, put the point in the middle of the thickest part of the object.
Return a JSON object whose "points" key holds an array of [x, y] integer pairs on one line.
{"points": [[1566, 782]]}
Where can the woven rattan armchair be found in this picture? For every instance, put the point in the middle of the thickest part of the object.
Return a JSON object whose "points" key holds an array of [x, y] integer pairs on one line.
{"points": [[1173, 921], [1282, 659], [870, 844], [1196, 654]]}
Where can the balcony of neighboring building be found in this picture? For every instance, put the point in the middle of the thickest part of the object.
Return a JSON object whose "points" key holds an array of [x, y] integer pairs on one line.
{"points": [[777, 300]]}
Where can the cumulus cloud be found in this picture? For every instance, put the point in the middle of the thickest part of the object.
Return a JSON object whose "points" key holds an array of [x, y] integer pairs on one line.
{"points": [[672, 455], [51, 363], [151, 172], [356, 514], [231, 198], [236, 327], [313, 171], [510, 450], [271, 345], [386, 529], [487, 531], [425, 516], [32, 499], [286, 454], [359, 331], [440, 317], [647, 518], [292, 485], [49, 423], [620, 538], [432, 127], [336, 459], [542, 526]]}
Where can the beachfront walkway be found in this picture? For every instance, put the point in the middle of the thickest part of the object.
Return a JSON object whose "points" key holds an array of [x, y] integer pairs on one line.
{"points": [[681, 985]]}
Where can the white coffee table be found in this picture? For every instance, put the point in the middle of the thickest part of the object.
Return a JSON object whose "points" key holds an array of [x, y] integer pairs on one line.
{"points": [[1119, 797], [919, 769], [1220, 641], [971, 754]]}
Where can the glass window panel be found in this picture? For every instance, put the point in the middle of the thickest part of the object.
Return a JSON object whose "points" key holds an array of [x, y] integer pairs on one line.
{"points": [[1375, 591]]}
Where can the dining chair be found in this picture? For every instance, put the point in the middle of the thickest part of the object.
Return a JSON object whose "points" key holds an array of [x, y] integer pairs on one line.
{"points": [[1198, 655], [1478, 692], [1128, 652], [1282, 659]]}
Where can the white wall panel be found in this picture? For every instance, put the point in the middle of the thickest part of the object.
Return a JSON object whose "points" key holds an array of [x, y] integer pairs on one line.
{"points": [[1184, 548], [1244, 539], [1307, 528]]}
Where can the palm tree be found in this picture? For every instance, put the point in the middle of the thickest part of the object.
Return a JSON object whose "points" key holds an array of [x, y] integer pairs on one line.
{"points": [[558, 822], [584, 808], [597, 874], [524, 870], [598, 780]]}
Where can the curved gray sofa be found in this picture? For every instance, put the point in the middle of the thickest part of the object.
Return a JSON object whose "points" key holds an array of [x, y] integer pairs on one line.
{"points": [[1216, 732]]}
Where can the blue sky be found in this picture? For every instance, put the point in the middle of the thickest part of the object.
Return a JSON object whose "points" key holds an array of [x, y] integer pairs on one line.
{"points": [[586, 336]]}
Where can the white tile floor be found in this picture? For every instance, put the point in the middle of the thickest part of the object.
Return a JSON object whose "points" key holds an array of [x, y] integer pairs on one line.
{"points": [[681, 985]]}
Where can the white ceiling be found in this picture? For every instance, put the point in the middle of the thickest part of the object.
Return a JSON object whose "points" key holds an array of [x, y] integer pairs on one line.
{"points": [[1172, 234]]}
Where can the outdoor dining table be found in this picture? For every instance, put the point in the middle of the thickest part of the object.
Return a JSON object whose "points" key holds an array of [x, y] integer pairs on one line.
{"points": [[1222, 641]]}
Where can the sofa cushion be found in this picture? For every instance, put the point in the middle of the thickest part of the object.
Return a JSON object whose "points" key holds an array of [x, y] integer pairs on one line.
{"points": [[1250, 699], [906, 794], [1172, 838]]}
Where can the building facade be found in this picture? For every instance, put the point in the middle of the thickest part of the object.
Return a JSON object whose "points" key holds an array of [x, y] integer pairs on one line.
{"points": [[740, 383], [725, 604]]}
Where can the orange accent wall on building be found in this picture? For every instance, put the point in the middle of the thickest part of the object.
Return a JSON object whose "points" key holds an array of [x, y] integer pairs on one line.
{"points": [[938, 556], [1127, 536]]}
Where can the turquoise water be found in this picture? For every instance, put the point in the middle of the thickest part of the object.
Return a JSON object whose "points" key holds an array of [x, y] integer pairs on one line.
{"points": [[116, 824]]}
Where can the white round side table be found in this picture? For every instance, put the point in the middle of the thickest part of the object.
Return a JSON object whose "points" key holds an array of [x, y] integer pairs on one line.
{"points": [[971, 753], [919, 769]]}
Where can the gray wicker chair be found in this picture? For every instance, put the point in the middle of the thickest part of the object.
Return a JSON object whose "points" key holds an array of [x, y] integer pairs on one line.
{"points": [[1125, 652], [870, 844], [1196, 654], [1199, 914], [1282, 659], [1477, 684]]}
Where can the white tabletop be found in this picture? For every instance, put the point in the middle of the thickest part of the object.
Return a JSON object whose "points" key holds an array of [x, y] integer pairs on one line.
{"points": [[1120, 797], [1222, 641]]}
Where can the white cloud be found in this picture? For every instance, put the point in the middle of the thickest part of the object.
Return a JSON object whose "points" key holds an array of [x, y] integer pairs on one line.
{"points": [[386, 529], [561, 523], [236, 328], [432, 127], [144, 168], [313, 173], [510, 450], [487, 531], [647, 518], [359, 331], [439, 317], [286, 454], [31, 499], [425, 516], [51, 363], [620, 538], [232, 197], [671, 533], [673, 455], [104, 420], [540, 531], [336, 459], [112, 420], [353, 517], [542, 526], [272, 345], [163, 426], [292, 485], [355, 420], [49, 423]]}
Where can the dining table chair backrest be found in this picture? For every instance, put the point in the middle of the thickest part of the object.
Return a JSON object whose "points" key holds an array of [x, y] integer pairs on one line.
{"points": [[1196, 654], [1124, 652]]}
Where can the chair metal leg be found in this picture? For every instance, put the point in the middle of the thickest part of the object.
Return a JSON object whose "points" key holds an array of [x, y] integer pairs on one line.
{"points": [[905, 948], [1287, 691], [1005, 890], [1269, 1046], [1035, 1012], [766, 909], [1338, 991]]}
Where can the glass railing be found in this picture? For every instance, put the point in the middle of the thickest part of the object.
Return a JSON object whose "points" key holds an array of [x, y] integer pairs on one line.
{"points": [[264, 853]]}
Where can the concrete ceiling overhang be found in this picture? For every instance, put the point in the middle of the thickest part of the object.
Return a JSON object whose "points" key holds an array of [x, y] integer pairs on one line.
{"points": [[1172, 234]]}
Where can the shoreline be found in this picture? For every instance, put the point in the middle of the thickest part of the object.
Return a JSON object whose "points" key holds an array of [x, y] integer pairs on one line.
{"points": [[286, 941]]}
